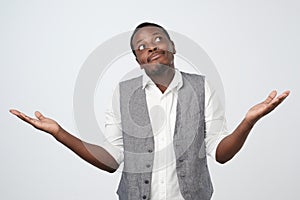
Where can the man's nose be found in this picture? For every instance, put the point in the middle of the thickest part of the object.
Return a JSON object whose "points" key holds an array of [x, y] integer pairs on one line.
{"points": [[151, 49]]}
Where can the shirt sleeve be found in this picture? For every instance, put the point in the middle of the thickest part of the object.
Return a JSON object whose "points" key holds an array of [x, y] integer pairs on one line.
{"points": [[113, 142], [215, 121]]}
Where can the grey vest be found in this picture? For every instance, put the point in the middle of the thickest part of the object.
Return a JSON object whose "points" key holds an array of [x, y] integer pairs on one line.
{"points": [[188, 142]]}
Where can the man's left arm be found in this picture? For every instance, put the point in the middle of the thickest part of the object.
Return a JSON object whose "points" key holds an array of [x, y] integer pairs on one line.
{"points": [[232, 143]]}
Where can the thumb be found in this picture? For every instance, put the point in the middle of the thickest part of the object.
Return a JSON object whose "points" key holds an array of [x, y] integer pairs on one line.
{"points": [[39, 115], [271, 96]]}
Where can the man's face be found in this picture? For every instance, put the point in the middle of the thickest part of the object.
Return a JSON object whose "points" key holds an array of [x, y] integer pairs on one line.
{"points": [[154, 51]]}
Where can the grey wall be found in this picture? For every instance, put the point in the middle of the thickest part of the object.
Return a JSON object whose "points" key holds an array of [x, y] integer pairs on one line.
{"points": [[254, 45]]}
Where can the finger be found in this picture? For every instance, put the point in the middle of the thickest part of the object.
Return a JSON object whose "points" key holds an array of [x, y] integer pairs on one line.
{"points": [[271, 96], [17, 113], [39, 115], [13, 111], [276, 101], [281, 97], [27, 118], [284, 94], [34, 122]]}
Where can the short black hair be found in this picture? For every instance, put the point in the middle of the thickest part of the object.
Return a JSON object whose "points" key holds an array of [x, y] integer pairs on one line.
{"points": [[145, 24]]}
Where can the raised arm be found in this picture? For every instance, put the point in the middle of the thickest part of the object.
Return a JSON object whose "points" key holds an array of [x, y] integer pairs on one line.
{"points": [[231, 144], [93, 154]]}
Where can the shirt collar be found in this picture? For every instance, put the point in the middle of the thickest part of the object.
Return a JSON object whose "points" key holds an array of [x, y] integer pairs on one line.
{"points": [[175, 83]]}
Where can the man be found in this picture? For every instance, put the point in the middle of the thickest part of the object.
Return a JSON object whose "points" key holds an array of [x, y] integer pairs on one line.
{"points": [[168, 125]]}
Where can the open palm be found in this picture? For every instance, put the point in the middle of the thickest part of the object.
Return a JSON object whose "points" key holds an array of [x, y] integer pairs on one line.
{"points": [[42, 123], [265, 107]]}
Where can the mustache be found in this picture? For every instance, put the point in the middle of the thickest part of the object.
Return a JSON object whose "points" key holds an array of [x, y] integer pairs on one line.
{"points": [[155, 53]]}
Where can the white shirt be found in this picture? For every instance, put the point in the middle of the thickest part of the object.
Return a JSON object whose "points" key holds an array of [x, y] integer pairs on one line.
{"points": [[162, 111]]}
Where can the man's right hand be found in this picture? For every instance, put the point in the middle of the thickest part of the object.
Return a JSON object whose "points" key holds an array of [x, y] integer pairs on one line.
{"points": [[42, 123], [93, 154]]}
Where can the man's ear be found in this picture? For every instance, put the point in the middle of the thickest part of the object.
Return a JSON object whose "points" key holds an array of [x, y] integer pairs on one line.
{"points": [[173, 47]]}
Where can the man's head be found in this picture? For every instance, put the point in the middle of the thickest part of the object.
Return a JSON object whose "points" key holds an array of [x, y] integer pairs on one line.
{"points": [[153, 48]]}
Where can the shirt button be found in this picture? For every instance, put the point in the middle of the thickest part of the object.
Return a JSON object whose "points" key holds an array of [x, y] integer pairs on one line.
{"points": [[150, 151], [144, 196], [180, 160], [148, 165], [146, 181]]}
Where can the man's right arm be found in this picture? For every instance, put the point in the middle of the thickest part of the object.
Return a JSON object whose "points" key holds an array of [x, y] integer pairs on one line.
{"points": [[93, 154]]}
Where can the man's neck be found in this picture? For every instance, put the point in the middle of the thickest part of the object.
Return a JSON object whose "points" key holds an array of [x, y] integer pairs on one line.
{"points": [[162, 81]]}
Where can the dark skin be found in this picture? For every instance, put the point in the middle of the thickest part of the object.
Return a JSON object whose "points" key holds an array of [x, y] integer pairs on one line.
{"points": [[155, 54]]}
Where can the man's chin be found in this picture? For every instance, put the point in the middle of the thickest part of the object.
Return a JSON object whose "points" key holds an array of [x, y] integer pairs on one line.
{"points": [[155, 69]]}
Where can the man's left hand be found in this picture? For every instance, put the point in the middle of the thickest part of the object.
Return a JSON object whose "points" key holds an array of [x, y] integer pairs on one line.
{"points": [[265, 107]]}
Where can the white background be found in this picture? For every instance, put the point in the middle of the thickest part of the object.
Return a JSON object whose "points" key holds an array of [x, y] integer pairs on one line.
{"points": [[43, 44]]}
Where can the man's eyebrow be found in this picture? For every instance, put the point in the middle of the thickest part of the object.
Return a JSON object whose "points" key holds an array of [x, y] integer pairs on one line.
{"points": [[138, 41], [156, 33]]}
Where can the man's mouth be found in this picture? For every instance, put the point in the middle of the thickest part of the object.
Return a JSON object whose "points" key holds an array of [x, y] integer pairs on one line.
{"points": [[155, 56]]}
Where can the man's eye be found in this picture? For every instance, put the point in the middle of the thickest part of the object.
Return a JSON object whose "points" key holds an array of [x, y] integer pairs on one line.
{"points": [[141, 47], [157, 39]]}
